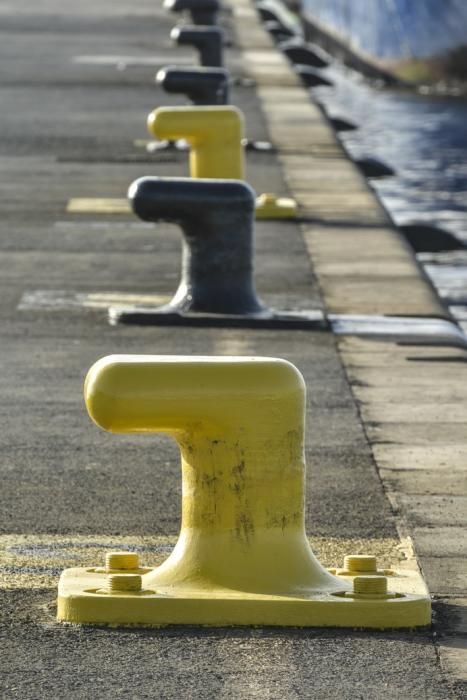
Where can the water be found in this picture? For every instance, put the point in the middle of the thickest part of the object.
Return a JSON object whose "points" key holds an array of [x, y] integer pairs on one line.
{"points": [[424, 139], [395, 28]]}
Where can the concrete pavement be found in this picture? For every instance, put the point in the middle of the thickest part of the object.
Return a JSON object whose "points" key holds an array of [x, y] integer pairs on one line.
{"points": [[70, 118]]}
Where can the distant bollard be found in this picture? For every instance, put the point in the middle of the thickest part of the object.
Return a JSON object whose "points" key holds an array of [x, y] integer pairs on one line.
{"points": [[216, 285], [215, 135], [278, 12], [374, 168], [278, 31], [217, 273], [297, 51], [203, 86], [341, 124], [242, 556], [216, 218], [201, 11], [311, 77], [208, 41]]}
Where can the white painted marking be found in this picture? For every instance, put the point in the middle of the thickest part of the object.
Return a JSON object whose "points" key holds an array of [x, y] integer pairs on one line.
{"points": [[58, 300], [122, 62], [111, 225], [429, 331]]}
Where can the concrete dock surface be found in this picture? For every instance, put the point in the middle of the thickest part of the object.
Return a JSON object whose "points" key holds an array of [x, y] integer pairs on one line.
{"points": [[387, 402]]}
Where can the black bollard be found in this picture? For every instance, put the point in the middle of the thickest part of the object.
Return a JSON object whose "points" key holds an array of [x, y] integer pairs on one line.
{"points": [[297, 51], [267, 15], [274, 12], [203, 86], [374, 168], [311, 77], [217, 277], [216, 218], [341, 124], [277, 30], [208, 41], [426, 238], [201, 11]]}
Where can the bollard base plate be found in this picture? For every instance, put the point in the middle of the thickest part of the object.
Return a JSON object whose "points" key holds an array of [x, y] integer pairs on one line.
{"points": [[271, 207], [82, 599], [166, 316]]}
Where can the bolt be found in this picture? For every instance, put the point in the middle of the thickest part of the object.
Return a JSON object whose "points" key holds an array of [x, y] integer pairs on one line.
{"points": [[360, 563], [124, 583], [370, 585], [121, 561]]}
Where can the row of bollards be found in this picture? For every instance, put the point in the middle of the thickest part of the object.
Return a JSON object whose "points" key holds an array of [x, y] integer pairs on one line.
{"points": [[242, 557]]}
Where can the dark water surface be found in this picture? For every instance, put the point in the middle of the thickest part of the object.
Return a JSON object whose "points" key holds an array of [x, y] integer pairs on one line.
{"points": [[394, 28], [424, 139]]}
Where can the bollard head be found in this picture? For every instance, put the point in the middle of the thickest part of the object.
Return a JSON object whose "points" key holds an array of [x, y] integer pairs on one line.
{"points": [[259, 397], [203, 86], [209, 42], [191, 202], [214, 134], [201, 11], [217, 220]]}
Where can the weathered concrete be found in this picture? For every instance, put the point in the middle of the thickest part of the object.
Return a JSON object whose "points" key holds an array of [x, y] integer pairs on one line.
{"points": [[413, 404]]}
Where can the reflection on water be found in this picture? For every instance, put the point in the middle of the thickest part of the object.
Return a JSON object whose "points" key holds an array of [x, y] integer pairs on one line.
{"points": [[424, 138]]}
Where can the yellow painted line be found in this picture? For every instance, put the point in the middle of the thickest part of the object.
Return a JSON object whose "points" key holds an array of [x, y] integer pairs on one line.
{"points": [[142, 143], [98, 205], [36, 561]]}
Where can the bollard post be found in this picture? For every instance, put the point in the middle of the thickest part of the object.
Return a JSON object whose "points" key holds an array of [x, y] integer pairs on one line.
{"points": [[202, 11], [208, 41], [242, 556], [215, 137], [217, 272], [203, 86], [216, 218]]}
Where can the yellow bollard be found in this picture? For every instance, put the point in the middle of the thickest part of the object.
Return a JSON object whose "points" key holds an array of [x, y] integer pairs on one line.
{"points": [[214, 135], [215, 138], [242, 557]]}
